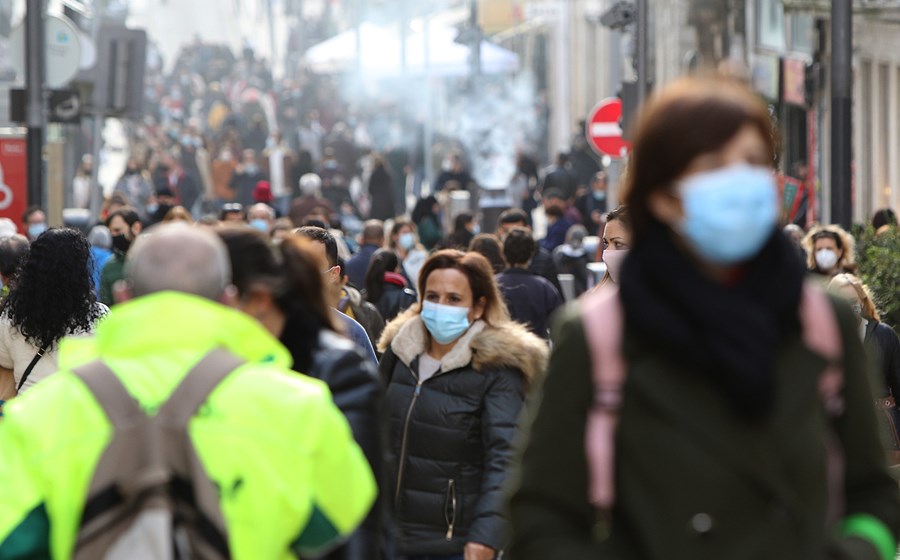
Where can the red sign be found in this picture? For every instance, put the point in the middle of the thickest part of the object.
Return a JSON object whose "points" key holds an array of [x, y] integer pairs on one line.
{"points": [[604, 133], [13, 179]]}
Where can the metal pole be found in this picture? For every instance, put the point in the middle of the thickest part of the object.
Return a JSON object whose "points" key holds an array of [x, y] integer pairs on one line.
{"points": [[642, 29], [841, 111], [34, 117]]}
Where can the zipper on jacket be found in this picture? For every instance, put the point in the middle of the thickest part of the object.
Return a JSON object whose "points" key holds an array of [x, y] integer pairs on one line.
{"points": [[450, 509], [409, 411]]}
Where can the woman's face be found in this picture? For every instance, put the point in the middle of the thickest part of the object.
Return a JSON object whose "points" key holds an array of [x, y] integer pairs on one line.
{"points": [[401, 231], [616, 237], [746, 146], [448, 286]]}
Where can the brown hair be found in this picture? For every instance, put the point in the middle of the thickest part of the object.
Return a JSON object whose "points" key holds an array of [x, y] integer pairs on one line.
{"points": [[488, 246], [178, 213], [689, 118], [478, 271], [862, 291]]}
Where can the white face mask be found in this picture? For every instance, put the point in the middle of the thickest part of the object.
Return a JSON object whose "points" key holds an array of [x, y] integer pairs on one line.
{"points": [[826, 259], [614, 260]]}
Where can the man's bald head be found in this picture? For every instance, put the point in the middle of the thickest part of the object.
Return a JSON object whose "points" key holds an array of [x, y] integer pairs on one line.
{"points": [[178, 257]]}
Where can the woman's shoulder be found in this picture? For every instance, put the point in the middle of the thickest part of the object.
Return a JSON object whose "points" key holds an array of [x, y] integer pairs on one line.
{"points": [[510, 346]]}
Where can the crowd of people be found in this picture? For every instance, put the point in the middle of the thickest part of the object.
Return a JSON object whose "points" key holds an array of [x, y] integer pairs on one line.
{"points": [[263, 372]]}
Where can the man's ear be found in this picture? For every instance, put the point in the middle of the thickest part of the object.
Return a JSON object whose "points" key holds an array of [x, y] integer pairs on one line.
{"points": [[122, 291], [230, 297], [136, 228]]}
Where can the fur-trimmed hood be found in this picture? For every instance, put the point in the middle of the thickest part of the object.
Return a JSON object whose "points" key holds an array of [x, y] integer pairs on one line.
{"points": [[508, 344]]}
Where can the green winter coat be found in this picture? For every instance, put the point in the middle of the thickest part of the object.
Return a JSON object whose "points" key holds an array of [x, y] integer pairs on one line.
{"points": [[295, 480], [693, 480]]}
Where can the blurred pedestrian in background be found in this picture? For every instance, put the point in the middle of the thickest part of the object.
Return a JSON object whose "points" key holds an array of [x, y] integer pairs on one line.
{"points": [[488, 246], [729, 360], [572, 258], [830, 251], [426, 217], [531, 300], [386, 287], [456, 370], [405, 243], [883, 345]]}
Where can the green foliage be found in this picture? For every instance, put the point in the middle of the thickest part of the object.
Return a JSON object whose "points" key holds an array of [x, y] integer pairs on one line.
{"points": [[879, 267]]}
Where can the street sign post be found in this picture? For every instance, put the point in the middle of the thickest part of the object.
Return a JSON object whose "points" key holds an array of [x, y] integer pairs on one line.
{"points": [[604, 131]]}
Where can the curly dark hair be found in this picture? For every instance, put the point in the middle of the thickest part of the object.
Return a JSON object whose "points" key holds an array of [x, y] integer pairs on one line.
{"points": [[54, 292]]}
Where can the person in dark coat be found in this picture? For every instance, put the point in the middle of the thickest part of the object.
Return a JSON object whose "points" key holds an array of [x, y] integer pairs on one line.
{"points": [[428, 222], [245, 177], [386, 287], [354, 305], [883, 345], [462, 234], [381, 191], [531, 300], [730, 391], [372, 239], [559, 177], [542, 264], [592, 205], [456, 369], [572, 258], [289, 301]]}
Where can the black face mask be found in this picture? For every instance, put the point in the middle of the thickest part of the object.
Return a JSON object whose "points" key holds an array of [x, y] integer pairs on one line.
{"points": [[121, 243]]}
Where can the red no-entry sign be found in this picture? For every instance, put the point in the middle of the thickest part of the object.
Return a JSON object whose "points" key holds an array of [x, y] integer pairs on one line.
{"points": [[603, 132]]}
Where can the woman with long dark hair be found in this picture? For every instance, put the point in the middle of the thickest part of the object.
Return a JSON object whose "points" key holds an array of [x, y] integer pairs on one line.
{"points": [[386, 287], [53, 297]]}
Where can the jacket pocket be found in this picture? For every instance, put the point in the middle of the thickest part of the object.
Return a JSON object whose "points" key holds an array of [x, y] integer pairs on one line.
{"points": [[450, 509]]}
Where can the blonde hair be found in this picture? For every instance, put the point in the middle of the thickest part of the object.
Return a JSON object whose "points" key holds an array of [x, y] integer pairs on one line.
{"points": [[845, 243], [862, 291]]}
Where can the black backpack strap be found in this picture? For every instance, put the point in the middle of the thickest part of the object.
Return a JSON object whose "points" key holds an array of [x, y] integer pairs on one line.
{"points": [[34, 361]]}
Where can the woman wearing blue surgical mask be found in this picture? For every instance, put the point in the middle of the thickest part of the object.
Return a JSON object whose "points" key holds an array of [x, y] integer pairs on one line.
{"points": [[716, 404], [404, 241], [456, 369]]}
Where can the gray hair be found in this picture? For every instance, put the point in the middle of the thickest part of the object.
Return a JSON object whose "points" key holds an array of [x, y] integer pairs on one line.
{"points": [[181, 258], [100, 236], [310, 184]]}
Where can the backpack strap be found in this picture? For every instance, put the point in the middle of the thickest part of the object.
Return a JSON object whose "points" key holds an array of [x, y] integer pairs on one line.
{"points": [[148, 453], [601, 315], [602, 318], [822, 335], [197, 385]]}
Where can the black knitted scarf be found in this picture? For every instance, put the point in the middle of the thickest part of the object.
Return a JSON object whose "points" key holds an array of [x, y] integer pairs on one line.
{"points": [[728, 332]]}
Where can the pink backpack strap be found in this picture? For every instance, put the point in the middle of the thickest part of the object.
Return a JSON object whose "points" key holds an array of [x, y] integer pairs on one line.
{"points": [[603, 324], [822, 335]]}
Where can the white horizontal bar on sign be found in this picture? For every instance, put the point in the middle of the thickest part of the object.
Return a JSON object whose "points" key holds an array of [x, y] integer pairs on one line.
{"points": [[606, 130]]}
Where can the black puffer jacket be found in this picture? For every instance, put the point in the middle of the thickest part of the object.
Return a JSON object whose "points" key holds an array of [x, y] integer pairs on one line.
{"points": [[450, 437], [394, 300], [357, 392], [884, 344]]}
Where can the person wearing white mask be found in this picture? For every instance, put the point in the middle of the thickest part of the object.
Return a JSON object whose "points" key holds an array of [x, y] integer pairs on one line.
{"points": [[457, 371], [830, 251], [615, 242]]}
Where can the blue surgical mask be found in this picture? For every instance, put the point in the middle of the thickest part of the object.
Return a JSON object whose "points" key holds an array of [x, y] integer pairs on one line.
{"points": [[729, 213], [599, 195], [446, 323], [260, 224], [152, 208], [407, 240], [476, 229], [35, 230]]}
